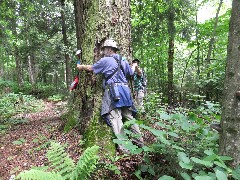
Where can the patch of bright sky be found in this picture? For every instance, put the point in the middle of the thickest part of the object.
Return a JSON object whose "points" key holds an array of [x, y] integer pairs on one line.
{"points": [[209, 10]]}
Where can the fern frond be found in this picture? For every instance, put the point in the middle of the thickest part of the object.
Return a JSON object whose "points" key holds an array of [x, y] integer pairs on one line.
{"points": [[59, 160], [86, 164], [34, 174], [63, 166]]}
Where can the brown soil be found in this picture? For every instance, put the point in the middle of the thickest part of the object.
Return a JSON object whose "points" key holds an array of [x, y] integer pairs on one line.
{"points": [[36, 133], [42, 127]]}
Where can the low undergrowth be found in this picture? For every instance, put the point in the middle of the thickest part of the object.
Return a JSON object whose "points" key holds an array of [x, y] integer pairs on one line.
{"points": [[12, 104], [178, 145]]}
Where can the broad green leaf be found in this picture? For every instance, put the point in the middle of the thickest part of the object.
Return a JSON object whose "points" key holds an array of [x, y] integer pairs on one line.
{"points": [[221, 164], [200, 121], [221, 175], [137, 151], [126, 144], [205, 177], [161, 124], [35, 140], [192, 117], [225, 158], [205, 131], [164, 140], [130, 122], [173, 134], [186, 165], [166, 178], [203, 162], [151, 170], [158, 133], [131, 147], [183, 157], [210, 157], [209, 152], [164, 116], [145, 127], [138, 174], [185, 176], [178, 147], [185, 126], [236, 172], [176, 116], [147, 149]]}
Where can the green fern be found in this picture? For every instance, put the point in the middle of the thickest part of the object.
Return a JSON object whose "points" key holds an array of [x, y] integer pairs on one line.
{"points": [[63, 166], [59, 160], [86, 164], [34, 174]]}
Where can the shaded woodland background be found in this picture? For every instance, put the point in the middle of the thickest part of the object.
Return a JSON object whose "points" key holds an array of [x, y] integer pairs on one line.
{"points": [[185, 61], [181, 56]]}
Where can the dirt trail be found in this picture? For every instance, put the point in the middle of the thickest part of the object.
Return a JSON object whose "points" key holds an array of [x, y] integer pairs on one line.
{"points": [[35, 135]]}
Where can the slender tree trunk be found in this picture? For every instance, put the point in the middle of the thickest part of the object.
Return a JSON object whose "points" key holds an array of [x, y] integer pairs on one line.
{"points": [[160, 85], [31, 69], [30, 57], [2, 67], [44, 74], [65, 41], [230, 123], [198, 48], [19, 70], [96, 21], [210, 49], [18, 67], [171, 33]]}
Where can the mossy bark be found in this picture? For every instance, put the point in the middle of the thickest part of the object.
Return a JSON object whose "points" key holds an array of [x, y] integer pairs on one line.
{"points": [[96, 21], [230, 124]]}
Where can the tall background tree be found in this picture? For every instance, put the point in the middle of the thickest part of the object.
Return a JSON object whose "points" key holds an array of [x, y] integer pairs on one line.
{"points": [[34, 35], [184, 69], [230, 123]]}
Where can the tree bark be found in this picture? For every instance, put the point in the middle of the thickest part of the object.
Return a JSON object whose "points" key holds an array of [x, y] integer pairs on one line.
{"points": [[171, 33], [96, 21], [230, 123], [2, 70], [30, 54], [31, 69]]}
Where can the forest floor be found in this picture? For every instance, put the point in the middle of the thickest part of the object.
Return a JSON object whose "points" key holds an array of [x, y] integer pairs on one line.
{"points": [[24, 145]]}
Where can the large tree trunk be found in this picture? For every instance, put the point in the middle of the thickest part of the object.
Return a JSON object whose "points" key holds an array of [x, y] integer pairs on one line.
{"points": [[96, 21], [230, 136]]}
